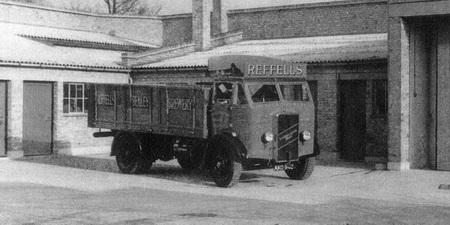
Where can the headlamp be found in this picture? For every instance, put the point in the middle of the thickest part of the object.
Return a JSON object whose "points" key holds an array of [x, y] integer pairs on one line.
{"points": [[267, 137], [305, 135]]}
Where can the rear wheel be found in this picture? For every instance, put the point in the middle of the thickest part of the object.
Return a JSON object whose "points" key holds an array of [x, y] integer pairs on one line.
{"points": [[225, 169], [303, 168], [128, 154]]}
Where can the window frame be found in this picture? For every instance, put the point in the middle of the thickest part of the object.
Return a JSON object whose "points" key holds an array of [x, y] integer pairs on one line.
{"points": [[277, 88], [67, 111]]}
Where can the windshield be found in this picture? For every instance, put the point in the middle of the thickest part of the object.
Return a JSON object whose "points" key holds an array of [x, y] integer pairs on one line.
{"points": [[264, 93], [294, 92]]}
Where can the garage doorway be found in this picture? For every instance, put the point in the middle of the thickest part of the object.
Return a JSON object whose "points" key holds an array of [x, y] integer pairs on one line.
{"points": [[440, 61], [352, 124], [37, 118]]}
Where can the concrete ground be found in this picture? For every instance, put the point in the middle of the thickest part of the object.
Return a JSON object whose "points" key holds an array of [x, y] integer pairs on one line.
{"points": [[334, 194]]}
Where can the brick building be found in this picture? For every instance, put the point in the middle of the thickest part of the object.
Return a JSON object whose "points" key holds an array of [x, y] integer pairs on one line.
{"points": [[345, 44]]}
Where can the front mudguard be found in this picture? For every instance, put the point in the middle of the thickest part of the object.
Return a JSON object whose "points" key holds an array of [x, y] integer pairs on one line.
{"points": [[237, 148]]}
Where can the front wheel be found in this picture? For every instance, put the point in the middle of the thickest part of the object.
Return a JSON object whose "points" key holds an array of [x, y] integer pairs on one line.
{"points": [[225, 170], [303, 168]]}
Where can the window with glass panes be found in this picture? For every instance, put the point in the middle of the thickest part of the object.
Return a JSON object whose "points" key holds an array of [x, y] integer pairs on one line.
{"points": [[75, 98]]}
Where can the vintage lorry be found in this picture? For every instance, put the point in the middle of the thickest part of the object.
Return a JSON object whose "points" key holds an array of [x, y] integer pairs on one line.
{"points": [[250, 113]]}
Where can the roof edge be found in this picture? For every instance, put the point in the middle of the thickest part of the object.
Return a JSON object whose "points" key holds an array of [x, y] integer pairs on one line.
{"points": [[43, 65]]}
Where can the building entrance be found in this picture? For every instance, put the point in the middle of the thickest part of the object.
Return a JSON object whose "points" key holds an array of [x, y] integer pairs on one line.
{"points": [[441, 63], [37, 118], [352, 124]]}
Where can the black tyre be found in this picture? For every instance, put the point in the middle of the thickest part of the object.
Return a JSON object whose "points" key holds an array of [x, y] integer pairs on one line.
{"points": [[303, 169], [128, 154], [225, 170]]}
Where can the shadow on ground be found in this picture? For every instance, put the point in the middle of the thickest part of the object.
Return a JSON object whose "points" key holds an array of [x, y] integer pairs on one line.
{"points": [[169, 171]]}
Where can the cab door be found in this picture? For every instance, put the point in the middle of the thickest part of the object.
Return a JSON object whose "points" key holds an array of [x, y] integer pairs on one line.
{"points": [[240, 108], [222, 105]]}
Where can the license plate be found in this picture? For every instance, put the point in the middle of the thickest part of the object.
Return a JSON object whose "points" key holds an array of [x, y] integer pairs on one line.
{"points": [[278, 168], [283, 167]]}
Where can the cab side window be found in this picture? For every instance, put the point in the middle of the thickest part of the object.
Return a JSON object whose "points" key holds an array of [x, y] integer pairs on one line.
{"points": [[224, 93]]}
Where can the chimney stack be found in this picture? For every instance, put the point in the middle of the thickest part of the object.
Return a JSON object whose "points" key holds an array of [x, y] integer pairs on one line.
{"points": [[220, 17], [201, 24]]}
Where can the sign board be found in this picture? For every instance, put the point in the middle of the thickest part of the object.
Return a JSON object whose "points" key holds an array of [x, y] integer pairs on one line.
{"points": [[255, 67]]}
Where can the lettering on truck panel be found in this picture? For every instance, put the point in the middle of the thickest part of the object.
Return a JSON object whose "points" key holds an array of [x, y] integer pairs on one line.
{"points": [[184, 104], [140, 101], [106, 100]]}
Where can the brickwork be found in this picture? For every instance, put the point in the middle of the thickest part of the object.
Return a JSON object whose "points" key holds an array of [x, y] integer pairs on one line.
{"points": [[325, 19], [327, 119], [320, 19], [177, 29]]}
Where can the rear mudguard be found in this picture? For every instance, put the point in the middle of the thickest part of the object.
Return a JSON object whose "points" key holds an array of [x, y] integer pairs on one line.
{"points": [[115, 145]]}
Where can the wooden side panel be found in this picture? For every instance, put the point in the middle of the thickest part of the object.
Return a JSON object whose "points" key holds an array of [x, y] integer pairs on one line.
{"points": [[156, 109]]}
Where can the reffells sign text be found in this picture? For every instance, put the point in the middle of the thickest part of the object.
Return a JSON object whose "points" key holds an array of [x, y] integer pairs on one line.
{"points": [[286, 70]]}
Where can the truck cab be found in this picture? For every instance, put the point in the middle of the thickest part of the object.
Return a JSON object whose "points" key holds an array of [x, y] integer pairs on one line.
{"points": [[266, 104]]}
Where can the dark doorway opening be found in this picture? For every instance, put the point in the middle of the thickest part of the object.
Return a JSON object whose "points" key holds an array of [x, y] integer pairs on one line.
{"points": [[352, 123]]}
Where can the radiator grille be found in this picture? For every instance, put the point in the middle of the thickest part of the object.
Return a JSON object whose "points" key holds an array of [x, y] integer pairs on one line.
{"points": [[287, 137]]}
